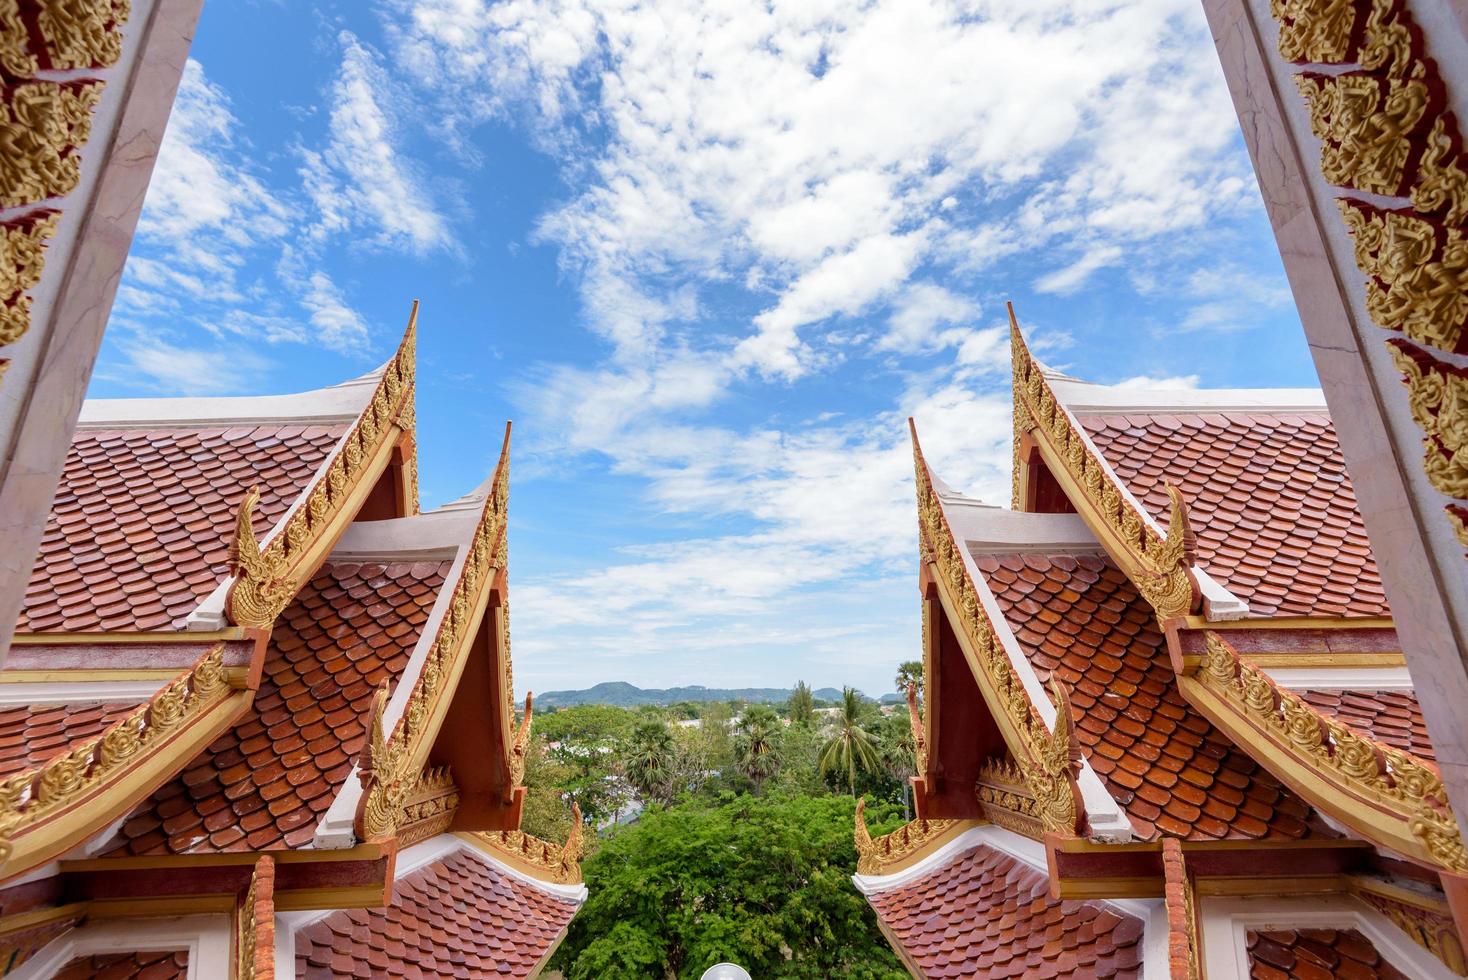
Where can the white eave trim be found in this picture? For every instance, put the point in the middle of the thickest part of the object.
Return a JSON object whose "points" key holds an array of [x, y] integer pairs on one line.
{"points": [[339, 403], [1224, 924], [1342, 678], [1087, 398]]}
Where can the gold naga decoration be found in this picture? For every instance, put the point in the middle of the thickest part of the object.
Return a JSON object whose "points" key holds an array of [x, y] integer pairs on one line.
{"points": [[255, 925], [43, 126], [1406, 805], [391, 760], [1384, 128], [919, 736], [29, 797], [520, 748], [560, 864], [873, 856], [429, 807], [268, 576], [1049, 759], [1161, 565], [1182, 914], [1007, 801]]}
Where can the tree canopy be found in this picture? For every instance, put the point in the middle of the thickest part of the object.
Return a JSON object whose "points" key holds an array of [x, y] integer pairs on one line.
{"points": [[759, 881]]}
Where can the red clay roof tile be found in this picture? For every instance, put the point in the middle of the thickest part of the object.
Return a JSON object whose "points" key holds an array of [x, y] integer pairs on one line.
{"points": [[1316, 954], [1391, 717], [1268, 497], [267, 782], [1165, 764], [456, 917], [173, 965], [140, 528], [985, 914], [32, 734]]}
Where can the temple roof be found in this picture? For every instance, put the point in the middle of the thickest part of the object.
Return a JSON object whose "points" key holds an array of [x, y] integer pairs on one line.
{"points": [[32, 734], [460, 915], [1391, 717], [169, 965], [267, 781], [1288, 954], [1079, 619], [1268, 497], [985, 913], [141, 525]]}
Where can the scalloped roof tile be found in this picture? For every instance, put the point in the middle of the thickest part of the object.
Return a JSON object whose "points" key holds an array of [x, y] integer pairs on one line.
{"points": [[32, 734], [1316, 954], [1268, 496], [456, 917], [170, 965], [1079, 618], [267, 782], [140, 528], [1390, 717], [985, 914]]}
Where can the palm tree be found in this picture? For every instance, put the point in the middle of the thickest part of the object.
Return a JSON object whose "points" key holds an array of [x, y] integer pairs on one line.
{"points": [[757, 744], [850, 748], [802, 704], [647, 759], [910, 672]]}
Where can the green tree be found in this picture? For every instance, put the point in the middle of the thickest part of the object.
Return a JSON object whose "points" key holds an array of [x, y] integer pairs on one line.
{"points": [[851, 748], [802, 705], [898, 752], [583, 742], [760, 881], [909, 672], [757, 744], [547, 809], [647, 761], [584, 723]]}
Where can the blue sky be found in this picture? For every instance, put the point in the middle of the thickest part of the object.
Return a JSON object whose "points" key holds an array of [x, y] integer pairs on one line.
{"points": [[708, 258]]}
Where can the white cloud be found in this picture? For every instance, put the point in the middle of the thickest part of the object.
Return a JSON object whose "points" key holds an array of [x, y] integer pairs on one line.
{"points": [[1180, 382], [362, 179], [916, 316], [158, 365], [1073, 276]]}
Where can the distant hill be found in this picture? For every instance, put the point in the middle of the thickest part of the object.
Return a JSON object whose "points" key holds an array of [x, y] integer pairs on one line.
{"points": [[623, 695]]}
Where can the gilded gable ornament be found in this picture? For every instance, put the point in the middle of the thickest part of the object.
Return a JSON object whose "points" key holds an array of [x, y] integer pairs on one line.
{"points": [[1365, 125]]}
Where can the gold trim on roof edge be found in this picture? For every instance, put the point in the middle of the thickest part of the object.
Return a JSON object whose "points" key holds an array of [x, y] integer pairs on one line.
{"points": [[392, 760], [1158, 564], [33, 796], [1006, 798], [268, 575], [559, 864], [875, 855], [1389, 796], [1049, 759]]}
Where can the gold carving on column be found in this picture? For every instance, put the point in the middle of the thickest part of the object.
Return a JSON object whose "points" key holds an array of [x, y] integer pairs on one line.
{"points": [[1315, 31], [1402, 792], [22, 242], [16, 58], [41, 129], [873, 856], [82, 33], [1384, 130], [1182, 916], [1437, 394], [29, 797], [1365, 125]]}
